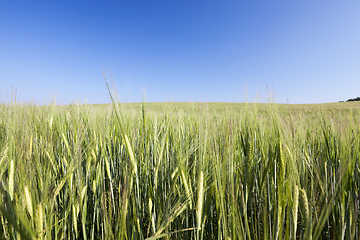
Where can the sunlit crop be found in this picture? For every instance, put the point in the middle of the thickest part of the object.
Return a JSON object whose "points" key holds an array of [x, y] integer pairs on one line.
{"points": [[180, 171]]}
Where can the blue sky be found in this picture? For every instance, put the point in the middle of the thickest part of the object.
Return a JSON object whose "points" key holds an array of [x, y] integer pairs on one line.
{"points": [[304, 51]]}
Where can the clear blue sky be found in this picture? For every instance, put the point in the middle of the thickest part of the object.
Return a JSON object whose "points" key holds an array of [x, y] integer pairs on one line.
{"points": [[305, 51]]}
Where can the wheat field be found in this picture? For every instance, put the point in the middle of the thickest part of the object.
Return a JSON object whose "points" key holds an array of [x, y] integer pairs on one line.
{"points": [[180, 171]]}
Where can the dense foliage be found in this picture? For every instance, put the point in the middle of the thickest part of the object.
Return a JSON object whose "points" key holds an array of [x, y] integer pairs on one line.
{"points": [[180, 171]]}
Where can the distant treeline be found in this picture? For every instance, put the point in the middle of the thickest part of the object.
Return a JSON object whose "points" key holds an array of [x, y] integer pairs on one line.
{"points": [[353, 99]]}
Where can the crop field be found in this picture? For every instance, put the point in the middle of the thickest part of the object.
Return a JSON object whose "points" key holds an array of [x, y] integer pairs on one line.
{"points": [[180, 171]]}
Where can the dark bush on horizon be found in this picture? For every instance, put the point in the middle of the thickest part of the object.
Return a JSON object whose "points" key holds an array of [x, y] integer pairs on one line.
{"points": [[353, 99]]}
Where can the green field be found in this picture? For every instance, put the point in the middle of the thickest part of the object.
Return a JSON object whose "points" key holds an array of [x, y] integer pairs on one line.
{"points": [[180, 171]]}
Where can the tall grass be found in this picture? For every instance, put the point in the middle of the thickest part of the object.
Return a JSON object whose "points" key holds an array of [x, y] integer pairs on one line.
{"points": [[179, 172]]}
